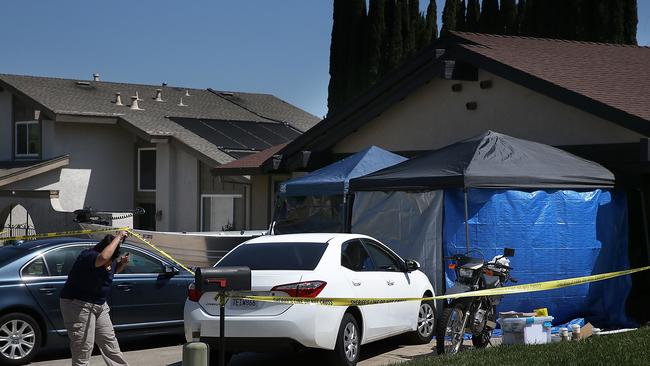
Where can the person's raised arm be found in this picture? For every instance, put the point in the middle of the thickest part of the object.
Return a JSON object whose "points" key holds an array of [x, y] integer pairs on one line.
{"points": [[106, 255]]}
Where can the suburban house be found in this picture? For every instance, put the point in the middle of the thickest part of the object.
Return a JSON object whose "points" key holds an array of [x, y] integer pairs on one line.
{"points": [[591, 99], [69, 144]]}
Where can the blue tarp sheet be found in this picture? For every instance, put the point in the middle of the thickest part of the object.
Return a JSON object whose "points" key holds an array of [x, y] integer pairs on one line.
{"points": [[334, 178], [556, 234]]}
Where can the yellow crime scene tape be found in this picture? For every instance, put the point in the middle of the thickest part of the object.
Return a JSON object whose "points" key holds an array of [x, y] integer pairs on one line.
{"points": [[162, 252], [63, 233], [95, 231], [530, 287]]}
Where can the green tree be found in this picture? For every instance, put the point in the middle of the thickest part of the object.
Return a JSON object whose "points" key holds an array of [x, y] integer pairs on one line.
{"points": [[508, 10], [521, 15], [375, 36], [473, 15], [338, 57], [430, 29], [392, 53], [631, 20], [357, 51], [449, 16], [489, 21], [460, 16]]}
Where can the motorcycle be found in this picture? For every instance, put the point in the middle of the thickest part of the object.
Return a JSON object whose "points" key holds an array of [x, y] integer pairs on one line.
{"points": [[476, 315]]}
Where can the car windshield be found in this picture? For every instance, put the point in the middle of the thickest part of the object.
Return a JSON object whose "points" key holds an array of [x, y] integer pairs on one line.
{"points": [[275, 256], [10, 253]]}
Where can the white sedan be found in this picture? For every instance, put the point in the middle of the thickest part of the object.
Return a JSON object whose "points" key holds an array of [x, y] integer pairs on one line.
{"points": [[315, 265]]}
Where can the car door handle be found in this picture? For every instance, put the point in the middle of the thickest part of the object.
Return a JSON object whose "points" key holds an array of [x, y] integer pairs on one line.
{"points": [[125, 286], [47, 290], [356, 282], [390, 283]]}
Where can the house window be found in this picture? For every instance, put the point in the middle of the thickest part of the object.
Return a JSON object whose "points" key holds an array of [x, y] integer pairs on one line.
{"points": [[28, 139], [222, 212], [147, 169]]}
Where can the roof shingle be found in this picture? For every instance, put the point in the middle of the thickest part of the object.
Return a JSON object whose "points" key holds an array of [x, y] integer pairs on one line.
{"points": [[69, 97]]}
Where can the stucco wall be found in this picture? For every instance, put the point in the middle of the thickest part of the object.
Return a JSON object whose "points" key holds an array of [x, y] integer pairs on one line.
{"points": [[434, 116], [100, 173], [5, 125]]}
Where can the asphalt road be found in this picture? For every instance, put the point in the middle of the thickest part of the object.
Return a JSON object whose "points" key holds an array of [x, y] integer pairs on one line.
{"points": [[168, 352]]}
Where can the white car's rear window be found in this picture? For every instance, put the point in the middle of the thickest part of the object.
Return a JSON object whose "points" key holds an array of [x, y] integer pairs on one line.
{"points": [[275, 256]]}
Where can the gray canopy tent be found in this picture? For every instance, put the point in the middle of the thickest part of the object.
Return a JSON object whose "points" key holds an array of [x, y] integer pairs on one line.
{"points": [[491, 160]]}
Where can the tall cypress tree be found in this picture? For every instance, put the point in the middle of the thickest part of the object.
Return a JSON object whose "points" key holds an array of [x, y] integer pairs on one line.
{"points": [[414, 27], [521, 16], [430, 31], [357, 65], [375, 36], [473, 15], [449, 16], [508, 10], [392, 54], [460, 16], [489, 21], [407, 45], [338, 57], [631, 21]]}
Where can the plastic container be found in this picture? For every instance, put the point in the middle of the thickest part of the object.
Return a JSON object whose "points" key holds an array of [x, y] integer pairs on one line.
{"points": [[529, 330]]}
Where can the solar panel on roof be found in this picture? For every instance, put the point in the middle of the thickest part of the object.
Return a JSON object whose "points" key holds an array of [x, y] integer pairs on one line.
{"points": [[239, 135]]}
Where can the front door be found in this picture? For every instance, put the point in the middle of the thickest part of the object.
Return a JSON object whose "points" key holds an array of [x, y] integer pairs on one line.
{"points": [[144, 296]]}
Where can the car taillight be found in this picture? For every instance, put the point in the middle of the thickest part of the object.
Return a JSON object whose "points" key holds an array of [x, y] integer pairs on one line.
{"points": [[192, 293], [302, 289]]}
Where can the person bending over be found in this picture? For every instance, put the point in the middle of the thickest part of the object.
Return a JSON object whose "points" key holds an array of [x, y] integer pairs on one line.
{"points": [[83, 302]]}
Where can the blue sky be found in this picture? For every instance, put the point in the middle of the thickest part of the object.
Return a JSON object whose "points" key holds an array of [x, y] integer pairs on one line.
{"points": [[277, 47]]}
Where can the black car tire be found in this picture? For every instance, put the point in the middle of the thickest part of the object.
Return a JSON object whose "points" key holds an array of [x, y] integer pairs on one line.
{"points": [[428, 310], [349, 327], [23, 323]]}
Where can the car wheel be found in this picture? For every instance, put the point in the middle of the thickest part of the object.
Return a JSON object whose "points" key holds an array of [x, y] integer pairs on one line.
{"points": [[348, 342], [426, 324], [20, 339]]}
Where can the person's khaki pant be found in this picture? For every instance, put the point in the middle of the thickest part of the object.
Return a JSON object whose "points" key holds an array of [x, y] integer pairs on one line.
{"points": [[88, 324]]}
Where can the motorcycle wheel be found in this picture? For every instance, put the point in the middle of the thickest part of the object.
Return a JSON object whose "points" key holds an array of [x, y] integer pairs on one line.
{"points": [[483, 339], [450, 332]]}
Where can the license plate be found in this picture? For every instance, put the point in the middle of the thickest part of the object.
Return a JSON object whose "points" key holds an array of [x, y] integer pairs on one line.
{"points": [[243, 304]]}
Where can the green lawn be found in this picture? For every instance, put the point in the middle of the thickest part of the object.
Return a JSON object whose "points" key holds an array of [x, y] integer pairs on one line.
{"points": [[631, 348]]}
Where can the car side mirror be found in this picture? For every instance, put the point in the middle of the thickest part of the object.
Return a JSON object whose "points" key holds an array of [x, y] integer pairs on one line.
{"points": [[170, 270], [411, 265], [508, 252]]}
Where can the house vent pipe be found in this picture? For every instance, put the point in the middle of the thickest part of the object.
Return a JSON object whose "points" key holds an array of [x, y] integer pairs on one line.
{"points": [[95, 77], [134, 103], [159, 95], [118, 99], [138, 96], [180, 104], [187, 92]]}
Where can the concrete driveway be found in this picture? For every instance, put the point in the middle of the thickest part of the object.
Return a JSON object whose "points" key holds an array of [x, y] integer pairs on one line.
{"points": [[168, 352]]}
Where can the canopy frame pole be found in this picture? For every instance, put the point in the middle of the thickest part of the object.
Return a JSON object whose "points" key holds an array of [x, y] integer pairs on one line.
{"points": [[466, 222]]}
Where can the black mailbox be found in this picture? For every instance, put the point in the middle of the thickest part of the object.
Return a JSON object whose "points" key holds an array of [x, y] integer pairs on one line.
{"points": [[218, 279]]}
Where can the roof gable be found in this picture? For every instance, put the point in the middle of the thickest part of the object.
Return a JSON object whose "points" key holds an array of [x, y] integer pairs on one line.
{"points": [[610, 81], [97, 98]]}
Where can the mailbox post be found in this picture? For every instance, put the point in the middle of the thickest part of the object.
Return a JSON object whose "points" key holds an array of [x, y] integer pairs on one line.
{"points": [[223, 280]]}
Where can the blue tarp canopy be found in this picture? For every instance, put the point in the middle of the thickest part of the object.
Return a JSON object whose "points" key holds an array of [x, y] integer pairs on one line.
{"points": [[334, 178]]}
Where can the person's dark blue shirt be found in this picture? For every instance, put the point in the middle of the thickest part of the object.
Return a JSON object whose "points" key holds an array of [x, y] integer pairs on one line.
{"points": [[86, 282]]}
